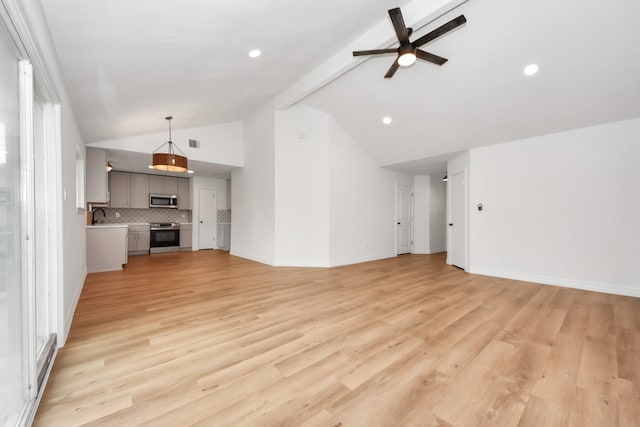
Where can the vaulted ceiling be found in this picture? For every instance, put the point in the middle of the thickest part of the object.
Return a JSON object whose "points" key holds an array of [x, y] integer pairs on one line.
{"points": [[129, 63]]}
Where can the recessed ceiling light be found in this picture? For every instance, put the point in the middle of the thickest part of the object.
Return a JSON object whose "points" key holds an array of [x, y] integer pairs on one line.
{"points": [[254, 53], [386, 120], [189, 171], [150, 166], [531, 69]]}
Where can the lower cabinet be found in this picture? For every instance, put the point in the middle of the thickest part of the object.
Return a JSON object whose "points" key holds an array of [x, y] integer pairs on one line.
{"points": [[224, 236], [139, 239], [185, 237], [106, 248]]}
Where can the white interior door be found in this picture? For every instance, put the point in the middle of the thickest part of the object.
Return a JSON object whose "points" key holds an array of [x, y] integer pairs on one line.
{"points": [[207, 218], [457, 223], [403, 219]]}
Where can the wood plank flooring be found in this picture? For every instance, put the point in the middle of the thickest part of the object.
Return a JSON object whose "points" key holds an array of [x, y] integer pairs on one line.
{"points": [[208, 339]]}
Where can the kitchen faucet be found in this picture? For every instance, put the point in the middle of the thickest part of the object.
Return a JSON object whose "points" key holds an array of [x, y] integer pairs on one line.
{"points": [[93, 217]]}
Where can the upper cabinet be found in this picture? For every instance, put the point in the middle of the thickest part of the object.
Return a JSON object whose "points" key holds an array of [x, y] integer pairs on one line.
{"points": [[163, 184], [184, 194], [97, 190], [131, 190], [119, 183], [139, 195]]}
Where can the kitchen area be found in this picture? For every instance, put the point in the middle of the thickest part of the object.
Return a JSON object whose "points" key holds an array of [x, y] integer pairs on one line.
{"points": [[133, 214]]}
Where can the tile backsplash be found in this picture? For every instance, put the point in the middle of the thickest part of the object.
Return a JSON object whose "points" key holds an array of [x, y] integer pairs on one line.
{"points": [[130, 216], [224, 217]]}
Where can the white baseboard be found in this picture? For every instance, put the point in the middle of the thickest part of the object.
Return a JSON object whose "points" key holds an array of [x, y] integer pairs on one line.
{"points": [[556, 281], [357, 260], [69, 315], [298, 263], [250, 257], [315, 263]]}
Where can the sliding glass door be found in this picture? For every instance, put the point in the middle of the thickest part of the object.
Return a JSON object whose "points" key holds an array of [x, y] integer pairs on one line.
{"points": [[14, 373], [29, 137]]}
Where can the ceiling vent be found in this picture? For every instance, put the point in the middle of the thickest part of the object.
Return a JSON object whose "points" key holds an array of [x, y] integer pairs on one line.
{"points": [[194, 143]]}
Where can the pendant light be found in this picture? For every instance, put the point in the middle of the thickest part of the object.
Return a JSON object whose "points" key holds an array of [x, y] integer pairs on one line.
{"points": [[169, 161]]}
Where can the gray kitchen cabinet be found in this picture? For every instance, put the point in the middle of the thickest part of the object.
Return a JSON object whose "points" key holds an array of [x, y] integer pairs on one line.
{"points": [[224, 236], [163, 184], [220, 236], [184, 194], [119, 189], [106, 247], [139, 239], [139, 194], [156, 184], [97, 187], [186, 237], [170, 185]]}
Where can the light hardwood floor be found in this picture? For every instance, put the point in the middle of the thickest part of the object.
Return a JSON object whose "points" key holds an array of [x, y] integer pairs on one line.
{"points": [[205, 338]]}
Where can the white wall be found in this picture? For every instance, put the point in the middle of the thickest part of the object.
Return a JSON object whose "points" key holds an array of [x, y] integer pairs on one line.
{"points": [[252, 191], [421, 214], [198, 183], [73, 257], [362, 218], [301, 187], [561, 209], [331, 204], [437, 215], [220, 143]]}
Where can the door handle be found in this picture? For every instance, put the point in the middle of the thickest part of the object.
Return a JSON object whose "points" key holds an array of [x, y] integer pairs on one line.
{"points": [[398, 223], [201, 222], [450, 224]]}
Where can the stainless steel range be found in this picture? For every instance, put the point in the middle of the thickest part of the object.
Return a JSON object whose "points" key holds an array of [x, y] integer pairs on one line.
{"points": [[165, 237]]}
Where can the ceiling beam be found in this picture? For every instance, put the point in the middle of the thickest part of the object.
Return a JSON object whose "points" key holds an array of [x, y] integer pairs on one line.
{"points": [[416, 14]]}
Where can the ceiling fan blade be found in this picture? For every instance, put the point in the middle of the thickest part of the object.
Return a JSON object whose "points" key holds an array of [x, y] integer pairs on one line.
{"points": [[373, 52], [430, 57], [441, 30], [392, 70], [398, 25]]}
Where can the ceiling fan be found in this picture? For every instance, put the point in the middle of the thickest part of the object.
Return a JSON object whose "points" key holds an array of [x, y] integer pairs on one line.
{"points": [[408, 51]]}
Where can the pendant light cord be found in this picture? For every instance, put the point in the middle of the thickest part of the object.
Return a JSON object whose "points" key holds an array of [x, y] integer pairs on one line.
{"points": [[171, 145], [170, 142]]}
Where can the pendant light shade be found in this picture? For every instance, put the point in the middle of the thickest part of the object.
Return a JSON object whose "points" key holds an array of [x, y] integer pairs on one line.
{"points": [[169, 161]]}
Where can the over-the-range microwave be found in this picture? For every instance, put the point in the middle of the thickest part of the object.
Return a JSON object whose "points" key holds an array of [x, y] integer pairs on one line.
{"points": [[163, 201]]}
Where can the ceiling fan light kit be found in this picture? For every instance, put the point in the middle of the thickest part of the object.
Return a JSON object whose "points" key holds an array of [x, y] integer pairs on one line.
{"points": [[406, 56], [169, 161], [408, 51]]}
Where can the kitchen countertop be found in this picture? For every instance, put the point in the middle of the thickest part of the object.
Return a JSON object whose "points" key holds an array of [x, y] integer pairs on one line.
{"points": [[107, 226]]}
